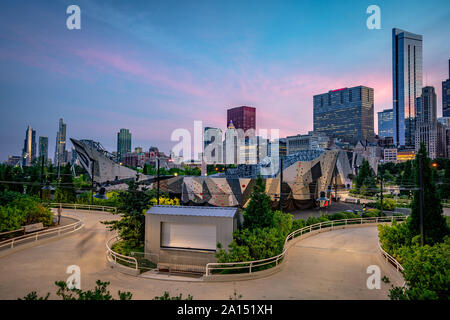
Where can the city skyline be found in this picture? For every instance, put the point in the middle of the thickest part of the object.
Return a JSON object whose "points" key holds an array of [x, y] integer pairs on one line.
{"points": [[121, 70]]}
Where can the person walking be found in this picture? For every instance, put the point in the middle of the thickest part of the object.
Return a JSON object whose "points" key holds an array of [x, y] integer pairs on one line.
{"points": [[59, 214]]}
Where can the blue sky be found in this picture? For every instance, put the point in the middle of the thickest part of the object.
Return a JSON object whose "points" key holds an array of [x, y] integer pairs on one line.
{"points": [[154, 66]]}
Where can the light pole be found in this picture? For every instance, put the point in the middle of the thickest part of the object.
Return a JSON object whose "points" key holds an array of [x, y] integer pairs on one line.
{"points": [[157, 182], [281, 183], [421, 198]]}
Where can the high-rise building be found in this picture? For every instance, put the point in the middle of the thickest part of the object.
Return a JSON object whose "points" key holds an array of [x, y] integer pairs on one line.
{"points": [[386, 123], [242, 117], [406, 83], [60, 148], [123, 143], [43, 148], [345, 113], [446, 95], [426, 106], [213, 137], [29, 147], [428, 130]]}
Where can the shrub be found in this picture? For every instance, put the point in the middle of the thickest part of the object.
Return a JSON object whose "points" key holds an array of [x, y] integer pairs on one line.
{"points": [[388, 204]]}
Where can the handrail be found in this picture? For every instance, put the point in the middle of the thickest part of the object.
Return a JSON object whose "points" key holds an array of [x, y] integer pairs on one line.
{"points": [[275, 259], [390, 258], [80, 206], [117, 256], [75, 226]]}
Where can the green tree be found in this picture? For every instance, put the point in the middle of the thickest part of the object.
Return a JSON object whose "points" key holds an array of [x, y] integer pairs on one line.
{"points": [[365, 180], [258, 213], [66, 190], [434, 223]]}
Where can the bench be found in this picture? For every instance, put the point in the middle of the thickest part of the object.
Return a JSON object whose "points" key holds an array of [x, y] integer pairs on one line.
{"points": [[33, 227], [182, 269]]}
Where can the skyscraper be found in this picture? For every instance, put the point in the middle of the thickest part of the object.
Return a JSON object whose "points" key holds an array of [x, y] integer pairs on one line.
{"points": [[60, 148], [242, 117], [123, 143], [406, 83], [345, 113], [428, 130], [43, 148], [29, 147], [426, 106], [446, 95], [386, 123]]}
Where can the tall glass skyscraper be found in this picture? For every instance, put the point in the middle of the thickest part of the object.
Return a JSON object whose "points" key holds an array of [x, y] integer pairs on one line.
{"points": [[446, 95], [43, 148], [386, 123], [123, 143], [29, 147], [345, 113], [60, 148], [406, 84]]}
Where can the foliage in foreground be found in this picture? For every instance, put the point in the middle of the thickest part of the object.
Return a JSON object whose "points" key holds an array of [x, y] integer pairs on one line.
{"points": [[17, 210], [100, 292]]}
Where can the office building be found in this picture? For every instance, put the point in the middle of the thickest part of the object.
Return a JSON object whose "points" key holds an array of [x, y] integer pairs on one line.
{"points": [[123, 143], [13, 161], [243, 118], [446, 95], [426, 106], [43, 149], [445, 121], [434, 136], [406, 83], [311, 141], [390, 155], [60, 148], [386, 123], [213, 145], [29, 147], [345, 113]]}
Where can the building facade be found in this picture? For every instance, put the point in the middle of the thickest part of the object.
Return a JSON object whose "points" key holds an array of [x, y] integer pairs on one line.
{"points": [[446, 95], [434, 136], [29, 147], [406, 83], [123, 143], [426, 106], [386, 123], [43, 148], [311, 141], [60, 148], [345, 113], [242, 117]]}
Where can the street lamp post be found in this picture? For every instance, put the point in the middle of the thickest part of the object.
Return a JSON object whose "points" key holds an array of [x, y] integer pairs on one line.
{"points": [[157, 182]]}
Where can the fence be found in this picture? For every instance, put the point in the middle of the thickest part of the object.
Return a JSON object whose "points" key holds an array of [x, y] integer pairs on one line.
{"points": [[256, 265], [128, 261], [77, 206], [42, 234]]}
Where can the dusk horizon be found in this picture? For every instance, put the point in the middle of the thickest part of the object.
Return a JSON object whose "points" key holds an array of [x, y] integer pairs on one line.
{"points": [[153, 67]]}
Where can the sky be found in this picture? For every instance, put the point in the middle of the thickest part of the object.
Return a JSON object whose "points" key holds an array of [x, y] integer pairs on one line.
{"points": [[155, 66]]}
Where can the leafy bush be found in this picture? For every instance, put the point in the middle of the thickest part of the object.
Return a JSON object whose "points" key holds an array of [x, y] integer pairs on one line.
{"points": [[19, 210], [371, 213], [388, 204]]}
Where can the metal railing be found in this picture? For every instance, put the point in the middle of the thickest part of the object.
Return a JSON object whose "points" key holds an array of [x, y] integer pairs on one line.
{"points": [[390, 258], [217, 267], [77, 206], [129, 261], [40, 234]]}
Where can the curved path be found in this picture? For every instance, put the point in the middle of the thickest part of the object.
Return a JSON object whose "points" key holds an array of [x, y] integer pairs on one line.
{"points": [[330, 265]]}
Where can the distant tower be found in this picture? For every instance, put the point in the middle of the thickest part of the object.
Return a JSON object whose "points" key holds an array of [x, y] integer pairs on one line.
{"points": [[123, 143], [43, 148], [60, 148], [446, 95], [29, 147]]}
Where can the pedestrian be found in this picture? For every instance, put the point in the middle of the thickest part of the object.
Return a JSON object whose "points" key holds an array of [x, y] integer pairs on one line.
{"points": [[59, 214]]}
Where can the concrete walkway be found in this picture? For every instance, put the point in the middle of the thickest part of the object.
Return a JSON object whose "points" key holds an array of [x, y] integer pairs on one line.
{"points": [[330, 265]]}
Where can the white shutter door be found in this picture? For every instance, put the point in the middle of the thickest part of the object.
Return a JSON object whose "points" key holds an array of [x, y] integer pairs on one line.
{"points": [[192, 236]]}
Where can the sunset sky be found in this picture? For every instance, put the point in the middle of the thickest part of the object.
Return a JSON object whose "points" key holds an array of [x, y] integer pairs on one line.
{"points": [[155, 66]]}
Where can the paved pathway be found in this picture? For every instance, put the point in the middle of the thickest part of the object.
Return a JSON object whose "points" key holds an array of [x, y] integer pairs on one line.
{"points": [[330, 265]]}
